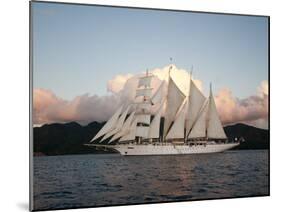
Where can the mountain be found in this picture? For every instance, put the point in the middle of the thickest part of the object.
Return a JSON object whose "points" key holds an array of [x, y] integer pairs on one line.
{"points": [[255, 138], [68, 138], [60, 139]]}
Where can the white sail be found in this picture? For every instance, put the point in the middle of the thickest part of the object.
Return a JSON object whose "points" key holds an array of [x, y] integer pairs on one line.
{"points": [[125, 128], [119, 124], [145, 81], [198, 130], [144, 92], [131, 134], [214, 129], [110, 124], [143, 118], [158, 95], [142, 131], [143, 106], [174, 100], [177, 129], [154, 129], [196, 101]]}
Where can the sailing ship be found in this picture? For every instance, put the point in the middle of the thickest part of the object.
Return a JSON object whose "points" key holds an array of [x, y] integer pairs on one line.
{"points": [[191, 122]]}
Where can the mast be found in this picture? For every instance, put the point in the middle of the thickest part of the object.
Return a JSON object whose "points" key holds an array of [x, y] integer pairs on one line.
{"points": [[174, 100], [139, 127], [169, 76], [177, 129], [208, 113], [186, 120], [154, 129], [198, 130], [214, 125], [143, 113], [196, 102]]}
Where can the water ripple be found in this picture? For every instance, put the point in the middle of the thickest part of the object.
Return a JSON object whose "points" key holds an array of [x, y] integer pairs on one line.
{"points": [[95, 180]]}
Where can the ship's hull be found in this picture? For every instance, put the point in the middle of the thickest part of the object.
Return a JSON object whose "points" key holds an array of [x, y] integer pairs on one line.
{"points": [[170, 149]]}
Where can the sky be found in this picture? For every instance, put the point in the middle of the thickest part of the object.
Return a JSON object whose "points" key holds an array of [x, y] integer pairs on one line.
{"points": [[81, 51]]}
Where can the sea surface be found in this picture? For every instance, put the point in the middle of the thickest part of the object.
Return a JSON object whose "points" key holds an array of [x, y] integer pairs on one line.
{"points": [[110, 179]]}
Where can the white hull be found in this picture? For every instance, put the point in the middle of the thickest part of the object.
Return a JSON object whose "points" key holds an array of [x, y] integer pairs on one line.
{"points": [[170, 149]]}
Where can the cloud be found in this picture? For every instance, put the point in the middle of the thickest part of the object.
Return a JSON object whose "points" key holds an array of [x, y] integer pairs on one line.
{"points": [[85, 108], [48, 108], [263, 88], [128, 82], [252, 110], [117, 83]]}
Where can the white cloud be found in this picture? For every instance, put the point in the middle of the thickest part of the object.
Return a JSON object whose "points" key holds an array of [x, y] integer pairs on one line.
{"points": [[125, 85], [252, 110], [263, 88], [48, 108], [117, 83]]}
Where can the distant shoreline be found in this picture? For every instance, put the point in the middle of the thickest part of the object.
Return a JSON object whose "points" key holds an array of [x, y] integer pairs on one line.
{"points": [[69, 138], [40, 154]]}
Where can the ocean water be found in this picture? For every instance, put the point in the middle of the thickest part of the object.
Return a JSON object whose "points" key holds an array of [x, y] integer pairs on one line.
{"points": [[110, 179]]}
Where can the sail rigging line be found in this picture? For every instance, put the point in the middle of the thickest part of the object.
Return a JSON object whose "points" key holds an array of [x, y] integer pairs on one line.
{"points": [[177, 129], [215, 129], [208, 114], [190, 75], [144, 117], [196, 101], [145, 80], [124, 129], [175, 98], [166, 99], [158, 95], [131, 135], [118, 125], [154, 128], [200, 117], [146, 86]]}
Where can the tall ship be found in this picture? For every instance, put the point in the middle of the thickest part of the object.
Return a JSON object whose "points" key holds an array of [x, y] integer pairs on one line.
{"points": [[165, 122]]}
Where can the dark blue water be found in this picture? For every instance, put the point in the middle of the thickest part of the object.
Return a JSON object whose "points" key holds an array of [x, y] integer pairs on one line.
{"points": [[110, 179]]}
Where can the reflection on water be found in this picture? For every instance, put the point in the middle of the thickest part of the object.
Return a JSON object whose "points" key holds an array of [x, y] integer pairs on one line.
{"points": [[95, 180]]}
